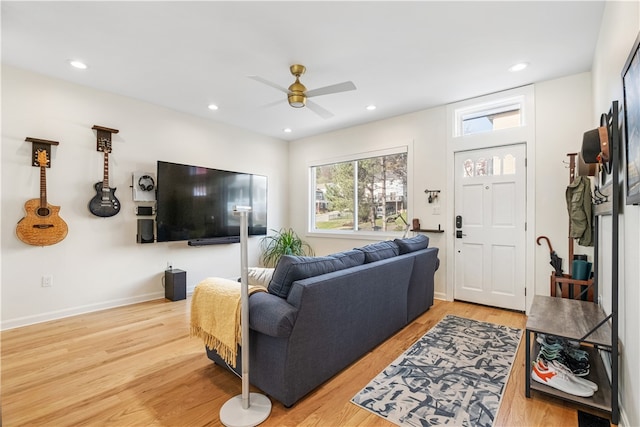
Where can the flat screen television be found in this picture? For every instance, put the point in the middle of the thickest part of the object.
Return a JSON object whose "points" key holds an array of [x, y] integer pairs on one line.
{"points": [[196, 204]]}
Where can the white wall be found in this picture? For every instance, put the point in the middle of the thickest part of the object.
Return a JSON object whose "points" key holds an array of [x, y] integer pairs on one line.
{"points": [[557, 132], [99, 264], [422, 132], [620, 27], [563, 113]]}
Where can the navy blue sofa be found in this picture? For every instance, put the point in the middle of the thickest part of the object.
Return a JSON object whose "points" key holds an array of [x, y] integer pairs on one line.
{"points": [[312, 323]]}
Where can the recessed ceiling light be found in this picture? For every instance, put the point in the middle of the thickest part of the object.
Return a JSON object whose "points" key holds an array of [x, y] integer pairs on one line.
{"points": [[78, 64], [519, 66], [287, 130], [371, 107], [212, 107]]}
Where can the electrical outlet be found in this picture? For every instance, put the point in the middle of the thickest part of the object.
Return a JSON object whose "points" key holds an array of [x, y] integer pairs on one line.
{"points": [[436, 210], [46, 281]]}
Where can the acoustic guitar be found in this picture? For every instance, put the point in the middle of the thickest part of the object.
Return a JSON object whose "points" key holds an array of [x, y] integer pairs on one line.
{"points": [[104, 203], [41, 226]]}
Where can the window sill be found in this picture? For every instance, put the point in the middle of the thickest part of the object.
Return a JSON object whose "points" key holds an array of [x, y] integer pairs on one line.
{"points": [[357, 235]]}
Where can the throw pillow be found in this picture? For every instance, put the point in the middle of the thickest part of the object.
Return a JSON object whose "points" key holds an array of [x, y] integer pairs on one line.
{"points": [[258, 276], [291, 268], [412, 244], [379, 251]]}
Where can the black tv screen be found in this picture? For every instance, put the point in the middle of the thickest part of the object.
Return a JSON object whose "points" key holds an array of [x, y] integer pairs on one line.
{"points": [[196, 203]]}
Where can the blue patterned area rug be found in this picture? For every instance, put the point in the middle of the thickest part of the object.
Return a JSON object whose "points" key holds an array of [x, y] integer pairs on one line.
{"points": [[455, 374]]}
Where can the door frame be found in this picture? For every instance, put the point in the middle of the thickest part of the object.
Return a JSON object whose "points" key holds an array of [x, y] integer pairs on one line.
{"points": [[523, 134]]}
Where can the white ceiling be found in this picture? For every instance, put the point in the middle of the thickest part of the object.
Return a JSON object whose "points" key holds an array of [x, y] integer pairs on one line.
{"points": [[402, 56]]}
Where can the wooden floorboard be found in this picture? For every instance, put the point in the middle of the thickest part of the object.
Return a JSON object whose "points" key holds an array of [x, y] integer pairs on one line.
{"points": [[137, 365]]}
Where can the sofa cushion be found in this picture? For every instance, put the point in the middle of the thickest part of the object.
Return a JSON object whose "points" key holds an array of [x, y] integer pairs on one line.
{"points": [[291, 268], [412, 244], [379, 251], [350, 258]]}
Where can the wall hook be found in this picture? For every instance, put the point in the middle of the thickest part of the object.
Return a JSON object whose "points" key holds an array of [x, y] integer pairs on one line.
{"points": [[433, 194]]}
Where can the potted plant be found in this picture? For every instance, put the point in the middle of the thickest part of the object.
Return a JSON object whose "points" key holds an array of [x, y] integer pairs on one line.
{"points": [[282, 242]]}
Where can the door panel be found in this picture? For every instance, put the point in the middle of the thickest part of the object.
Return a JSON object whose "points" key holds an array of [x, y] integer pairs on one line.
{"points": [[473, 268], [490, 245]]}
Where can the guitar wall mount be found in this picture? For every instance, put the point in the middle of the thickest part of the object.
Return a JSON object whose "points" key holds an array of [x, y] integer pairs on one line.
{"points": [[40, 145], [103, 135]]}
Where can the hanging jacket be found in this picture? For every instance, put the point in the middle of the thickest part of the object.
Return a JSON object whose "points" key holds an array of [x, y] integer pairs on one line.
{"points": [[580, 213]]}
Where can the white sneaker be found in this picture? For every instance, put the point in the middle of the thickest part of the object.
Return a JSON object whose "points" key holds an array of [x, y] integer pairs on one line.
{"points": [[558, 379], [560, 367]]}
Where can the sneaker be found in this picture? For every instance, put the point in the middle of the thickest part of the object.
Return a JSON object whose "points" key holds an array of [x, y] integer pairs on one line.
{"points": [[554, 344], [560, 367], [578, 368], [545, 373]]}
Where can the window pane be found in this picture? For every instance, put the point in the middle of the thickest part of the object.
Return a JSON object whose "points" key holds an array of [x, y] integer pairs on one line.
{"points": [[334, 199], [481, 167], [509, 164], [489, 120], [468, 168], [497, 165], [369, 194]]}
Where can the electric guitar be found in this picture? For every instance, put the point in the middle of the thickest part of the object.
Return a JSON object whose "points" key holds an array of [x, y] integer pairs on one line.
{"points": [[104, 203], [41, 226]]}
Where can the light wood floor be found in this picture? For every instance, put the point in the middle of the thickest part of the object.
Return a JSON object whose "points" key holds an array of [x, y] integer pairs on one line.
{"points": [[136, 365]]}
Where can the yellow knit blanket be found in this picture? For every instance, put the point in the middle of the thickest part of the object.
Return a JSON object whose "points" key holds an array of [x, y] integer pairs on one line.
{"points": [[215, 315]]}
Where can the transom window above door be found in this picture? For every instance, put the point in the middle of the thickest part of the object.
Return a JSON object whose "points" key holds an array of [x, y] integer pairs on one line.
{"points": [[504, 114]]}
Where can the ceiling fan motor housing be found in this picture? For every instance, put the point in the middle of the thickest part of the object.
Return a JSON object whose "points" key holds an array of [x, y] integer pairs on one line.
{"points": [[296, 96]]}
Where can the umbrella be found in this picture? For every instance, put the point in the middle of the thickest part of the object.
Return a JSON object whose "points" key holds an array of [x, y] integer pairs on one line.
{"points": [[556, 261]]}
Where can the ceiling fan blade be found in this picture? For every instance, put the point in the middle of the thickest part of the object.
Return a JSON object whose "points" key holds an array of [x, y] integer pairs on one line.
{"points": [[339, 87], [325, 114], [268, 83], [274, 103]]}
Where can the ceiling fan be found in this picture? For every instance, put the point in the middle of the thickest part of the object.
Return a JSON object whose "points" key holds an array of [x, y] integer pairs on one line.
{"points": [[297, 93]]}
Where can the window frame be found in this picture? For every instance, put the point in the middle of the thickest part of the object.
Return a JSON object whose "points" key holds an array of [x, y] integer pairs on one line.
{"points": [[503, 105], [356, 234]]}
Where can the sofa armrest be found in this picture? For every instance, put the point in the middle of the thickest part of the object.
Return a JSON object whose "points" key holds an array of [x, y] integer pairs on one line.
{"points": [[271, 315]]}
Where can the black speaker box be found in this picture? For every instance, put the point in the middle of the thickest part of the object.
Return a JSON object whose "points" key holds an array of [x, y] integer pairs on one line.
{"points": [[175, 284], [144, 210], [145, 231]]}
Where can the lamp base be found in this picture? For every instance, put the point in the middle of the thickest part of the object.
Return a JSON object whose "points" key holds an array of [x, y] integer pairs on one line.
{"points": [[232, 414]]}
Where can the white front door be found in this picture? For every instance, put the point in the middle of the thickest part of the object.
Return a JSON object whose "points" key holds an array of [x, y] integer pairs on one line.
{"points": [[490, 204]]}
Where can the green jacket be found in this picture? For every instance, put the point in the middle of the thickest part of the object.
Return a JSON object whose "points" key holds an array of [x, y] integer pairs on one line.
{"points": [[580, 213]]}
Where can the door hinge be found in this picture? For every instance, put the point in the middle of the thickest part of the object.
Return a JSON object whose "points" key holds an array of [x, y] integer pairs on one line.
{"points": [[525, 226], [525, 162], [525, 292]]}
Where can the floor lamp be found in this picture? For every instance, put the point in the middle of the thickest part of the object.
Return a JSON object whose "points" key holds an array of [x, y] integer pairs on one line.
{"points": [[247, 409]]}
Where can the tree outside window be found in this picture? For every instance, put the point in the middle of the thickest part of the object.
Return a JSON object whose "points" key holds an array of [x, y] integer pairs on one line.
{"points": [[367, 194]]}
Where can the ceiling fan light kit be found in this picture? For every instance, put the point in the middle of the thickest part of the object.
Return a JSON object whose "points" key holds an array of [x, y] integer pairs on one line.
{"points": [[297, 100]]}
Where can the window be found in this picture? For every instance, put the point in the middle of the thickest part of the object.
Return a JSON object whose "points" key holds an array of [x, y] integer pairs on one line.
{"points": [[366, 194], [489, 117], [489, 167]]}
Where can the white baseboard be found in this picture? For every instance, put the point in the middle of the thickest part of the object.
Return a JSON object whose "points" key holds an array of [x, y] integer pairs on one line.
{"points": [[440, 296], [74, 311], [624, 420]]}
